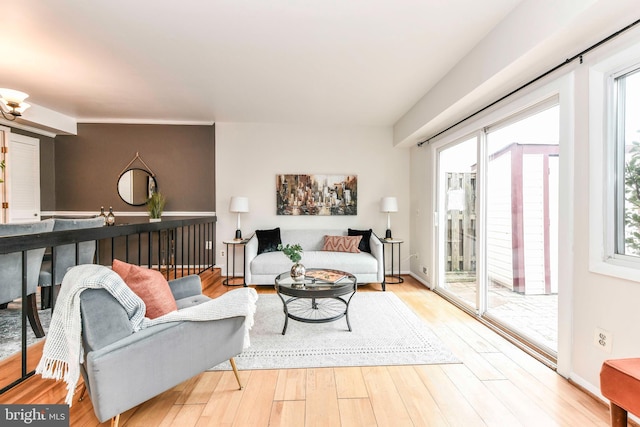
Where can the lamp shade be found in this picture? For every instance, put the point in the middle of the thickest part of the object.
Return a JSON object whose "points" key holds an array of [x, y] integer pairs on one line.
{"points": [[239, 204], [388, 204], [13, 96], [13, 102]]}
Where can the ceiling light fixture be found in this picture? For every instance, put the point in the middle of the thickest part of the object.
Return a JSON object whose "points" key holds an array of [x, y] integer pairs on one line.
{"points": [[12, 103]]}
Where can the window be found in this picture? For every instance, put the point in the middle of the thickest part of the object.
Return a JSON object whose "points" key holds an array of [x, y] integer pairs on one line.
{"points": [[627, 160]]}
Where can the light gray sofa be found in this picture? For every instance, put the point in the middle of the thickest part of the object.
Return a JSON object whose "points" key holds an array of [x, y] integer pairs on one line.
{"points": [[262, 269], [123, 369]]}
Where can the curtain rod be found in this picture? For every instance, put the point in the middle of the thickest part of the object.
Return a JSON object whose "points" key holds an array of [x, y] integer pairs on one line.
{"points": [[530, 82]]}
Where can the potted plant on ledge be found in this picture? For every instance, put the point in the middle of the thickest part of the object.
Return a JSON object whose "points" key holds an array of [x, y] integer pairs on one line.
{"points": [[155, 206], [293, 252]]}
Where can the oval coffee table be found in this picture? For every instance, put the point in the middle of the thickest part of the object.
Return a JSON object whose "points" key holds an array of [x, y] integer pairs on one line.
{"points": [[314, 300]]}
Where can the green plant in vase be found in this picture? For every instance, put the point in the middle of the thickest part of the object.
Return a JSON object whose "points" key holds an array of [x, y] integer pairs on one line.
{"points": [[155, 206], [294, 253]]}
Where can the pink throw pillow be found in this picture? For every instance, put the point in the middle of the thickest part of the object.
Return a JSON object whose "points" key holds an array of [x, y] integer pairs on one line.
{"points": [[342, 243], [149, 285]]}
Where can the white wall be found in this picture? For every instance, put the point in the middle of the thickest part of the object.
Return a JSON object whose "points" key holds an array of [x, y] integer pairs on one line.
{"points": [[249, 156], [535, 36], [422, 208], [587, 300], [599, 300]]}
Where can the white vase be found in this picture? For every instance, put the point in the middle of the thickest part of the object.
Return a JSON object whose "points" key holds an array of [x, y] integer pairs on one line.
{"points": [[155, 219]]}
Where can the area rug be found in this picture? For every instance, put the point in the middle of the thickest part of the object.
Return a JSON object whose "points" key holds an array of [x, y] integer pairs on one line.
{"points": [[11, 329], [384, 332]]}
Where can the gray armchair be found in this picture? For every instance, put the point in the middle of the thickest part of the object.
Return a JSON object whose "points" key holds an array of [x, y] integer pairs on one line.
{"points": [[65, 256], [123, 369], [11, 270]]}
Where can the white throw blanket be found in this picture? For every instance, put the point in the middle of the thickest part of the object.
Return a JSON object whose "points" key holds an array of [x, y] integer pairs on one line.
{"points": [[62, 353]]}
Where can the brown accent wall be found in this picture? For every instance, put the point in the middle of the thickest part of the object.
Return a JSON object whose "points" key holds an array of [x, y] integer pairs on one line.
{"points": [[88, 165]]}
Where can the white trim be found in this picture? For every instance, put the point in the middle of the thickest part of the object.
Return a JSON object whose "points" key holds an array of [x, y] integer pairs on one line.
{"points": [[27, 128], [595, 391], [129, 213], [147, 122], [421, 280]]}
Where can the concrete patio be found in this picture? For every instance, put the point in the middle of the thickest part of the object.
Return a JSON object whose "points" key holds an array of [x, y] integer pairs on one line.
{"points": [[534, 316]]}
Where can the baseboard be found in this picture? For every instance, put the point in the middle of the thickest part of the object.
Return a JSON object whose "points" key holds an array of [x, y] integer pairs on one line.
{"points": [[421, 280], [593, 391]]}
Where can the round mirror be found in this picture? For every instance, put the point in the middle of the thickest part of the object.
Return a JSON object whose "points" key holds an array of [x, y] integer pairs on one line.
{"points": [[135, 186]]}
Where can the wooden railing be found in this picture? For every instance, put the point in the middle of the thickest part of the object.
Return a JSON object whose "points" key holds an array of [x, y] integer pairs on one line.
{"points": [[175, 247]]}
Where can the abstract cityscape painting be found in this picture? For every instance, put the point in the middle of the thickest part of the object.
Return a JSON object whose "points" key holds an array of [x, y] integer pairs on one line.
{"points": [[317, 194]]}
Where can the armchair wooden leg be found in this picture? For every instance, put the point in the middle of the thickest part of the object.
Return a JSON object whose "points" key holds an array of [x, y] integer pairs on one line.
{"points": [[84, 390], [115, 420], [618, 416], [235, 371]]}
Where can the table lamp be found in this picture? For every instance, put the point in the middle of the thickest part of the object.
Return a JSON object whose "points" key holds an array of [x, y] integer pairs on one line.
{"points": [[239, 205], [388, 205]]}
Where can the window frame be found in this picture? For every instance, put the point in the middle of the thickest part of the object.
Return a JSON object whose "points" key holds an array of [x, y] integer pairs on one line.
{"points": [[618, 118], [604, 165]]}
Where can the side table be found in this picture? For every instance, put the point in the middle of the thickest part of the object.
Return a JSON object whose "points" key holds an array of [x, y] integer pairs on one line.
{"points": [[234, 244], [393, 277]]}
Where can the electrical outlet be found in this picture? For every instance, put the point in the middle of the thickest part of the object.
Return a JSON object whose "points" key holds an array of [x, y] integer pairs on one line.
{"points": [[208, 244], [222, 254], [603, 339]]}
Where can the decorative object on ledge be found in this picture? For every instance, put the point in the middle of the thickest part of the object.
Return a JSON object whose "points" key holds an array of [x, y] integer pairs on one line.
{"points": [[388, 205], [12, 103], [136, 185], [293, 252], [316, 194], [239, 205], [111, 218], [103, 215], [155, 206]]}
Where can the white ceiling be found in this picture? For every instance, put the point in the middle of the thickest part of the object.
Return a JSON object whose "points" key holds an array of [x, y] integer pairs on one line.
{"points": [[356, 62]]}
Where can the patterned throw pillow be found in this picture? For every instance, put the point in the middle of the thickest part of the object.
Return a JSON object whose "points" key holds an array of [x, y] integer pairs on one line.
{"points": [[149, 285], [365, 245], [342, 243]]}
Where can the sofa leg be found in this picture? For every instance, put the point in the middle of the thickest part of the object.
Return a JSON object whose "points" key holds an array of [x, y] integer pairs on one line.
{"points": [[115, 420], [235, 371], [618, 416]]}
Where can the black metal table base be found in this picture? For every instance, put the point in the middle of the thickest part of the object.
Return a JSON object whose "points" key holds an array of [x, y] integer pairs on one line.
{"points": [[228, 278], [231, 278], [393, 280], [319, 307]]}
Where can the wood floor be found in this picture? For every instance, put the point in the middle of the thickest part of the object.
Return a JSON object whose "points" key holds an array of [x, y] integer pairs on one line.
{"points": [[496, 385]]}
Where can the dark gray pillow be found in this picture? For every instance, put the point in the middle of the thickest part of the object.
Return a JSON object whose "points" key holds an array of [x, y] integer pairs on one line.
{"points": [[268, 240], [364, 245]]}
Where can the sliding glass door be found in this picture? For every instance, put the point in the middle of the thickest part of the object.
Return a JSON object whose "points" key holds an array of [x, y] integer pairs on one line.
{"points": [[457, 220], [521, 221], [511, 226]]}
